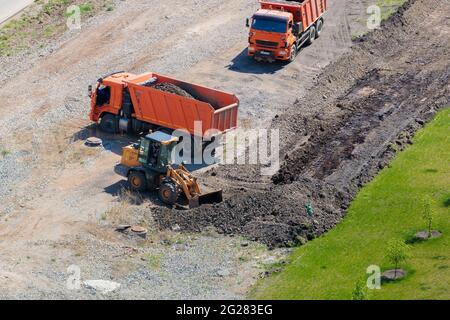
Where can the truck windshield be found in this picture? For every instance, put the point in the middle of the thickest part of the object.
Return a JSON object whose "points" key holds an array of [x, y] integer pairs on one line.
{"points": [[270, 25]]}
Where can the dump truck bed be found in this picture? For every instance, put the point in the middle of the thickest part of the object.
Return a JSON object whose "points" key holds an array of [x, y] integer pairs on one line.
{"points": [[306, 12], [215, 109]]}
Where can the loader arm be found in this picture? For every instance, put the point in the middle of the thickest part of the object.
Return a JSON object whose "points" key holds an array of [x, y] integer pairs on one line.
{"points": [[185, 181], [191, 189]]}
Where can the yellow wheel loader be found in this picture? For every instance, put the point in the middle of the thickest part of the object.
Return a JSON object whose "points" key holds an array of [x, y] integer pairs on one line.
{"points": [[147, 166]]}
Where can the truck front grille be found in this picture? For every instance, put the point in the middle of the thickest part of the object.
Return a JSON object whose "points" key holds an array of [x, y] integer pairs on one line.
{"points": [[268, 44]]}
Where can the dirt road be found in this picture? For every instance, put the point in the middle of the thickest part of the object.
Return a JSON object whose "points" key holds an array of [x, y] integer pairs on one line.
{"points": [[55, 192]]}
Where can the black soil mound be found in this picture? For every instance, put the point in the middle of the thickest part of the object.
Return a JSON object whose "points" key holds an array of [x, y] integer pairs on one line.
{"points": [[171, 88]]}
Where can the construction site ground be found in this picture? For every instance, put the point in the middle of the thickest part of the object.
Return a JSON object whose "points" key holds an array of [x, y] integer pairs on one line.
{"points": [[344, 108]]}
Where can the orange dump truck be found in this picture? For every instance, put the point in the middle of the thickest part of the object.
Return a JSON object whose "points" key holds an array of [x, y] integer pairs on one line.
{"points": [[139, 103], [279, 28]]}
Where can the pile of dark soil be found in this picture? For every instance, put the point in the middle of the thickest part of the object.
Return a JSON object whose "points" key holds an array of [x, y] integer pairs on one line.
{"points": [[171, 88], [363, 109], [276, 216]]}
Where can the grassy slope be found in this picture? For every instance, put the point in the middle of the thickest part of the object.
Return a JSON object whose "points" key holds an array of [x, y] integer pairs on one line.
{"points": [[43, 20], [388, 207]]}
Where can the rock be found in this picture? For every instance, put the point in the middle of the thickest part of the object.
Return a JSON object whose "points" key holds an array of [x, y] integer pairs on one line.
{"points": [[102, 286], [301, 240], [223, 273], [392, 275], [176, 228], [423, 235], [420, 121], [269, 260], [244, 244], [264, 274], [123, 227]]}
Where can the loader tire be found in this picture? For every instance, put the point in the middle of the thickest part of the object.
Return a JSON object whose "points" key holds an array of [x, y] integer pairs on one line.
{"points": [[168, 192], [312, 35], [137, 181], [109, 123]]}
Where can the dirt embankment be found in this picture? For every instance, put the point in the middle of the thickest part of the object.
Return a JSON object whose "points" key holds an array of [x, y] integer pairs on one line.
{"points": [[363, 109]]}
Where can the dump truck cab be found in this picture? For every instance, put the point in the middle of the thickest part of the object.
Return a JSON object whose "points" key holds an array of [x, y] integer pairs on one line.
{"points": [[270, 36], [279, 28], [108, 99]]}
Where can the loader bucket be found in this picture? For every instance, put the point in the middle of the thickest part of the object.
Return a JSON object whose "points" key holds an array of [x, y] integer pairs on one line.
{"points": [[207, 198]]}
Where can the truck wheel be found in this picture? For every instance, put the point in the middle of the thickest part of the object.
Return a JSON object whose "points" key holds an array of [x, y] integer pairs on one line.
{"points": [[109, 123], [312, 35], [168, 192], [293, 53], [319, 28], [137, 181]]}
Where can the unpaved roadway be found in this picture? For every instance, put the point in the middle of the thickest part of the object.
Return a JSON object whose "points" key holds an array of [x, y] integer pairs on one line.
{"points": [[55, 192]]}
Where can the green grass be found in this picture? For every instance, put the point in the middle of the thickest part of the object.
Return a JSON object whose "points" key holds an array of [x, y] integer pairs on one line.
{"points": [[4, 153], [42, 21], [154, 260], [387, 208], [388, 7]]}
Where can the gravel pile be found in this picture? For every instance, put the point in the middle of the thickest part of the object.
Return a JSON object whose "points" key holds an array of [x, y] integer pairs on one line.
{"points": [[171, 88]]}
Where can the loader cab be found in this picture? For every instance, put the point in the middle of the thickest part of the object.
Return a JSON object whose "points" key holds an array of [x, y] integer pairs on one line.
{"points": [[155, 151]]}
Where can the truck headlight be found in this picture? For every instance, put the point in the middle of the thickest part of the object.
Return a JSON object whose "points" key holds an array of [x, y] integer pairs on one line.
{"points": [[282, 52]]}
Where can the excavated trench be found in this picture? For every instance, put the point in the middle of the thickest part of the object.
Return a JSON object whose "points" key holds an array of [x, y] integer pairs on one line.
{"points": [[363, 109]]}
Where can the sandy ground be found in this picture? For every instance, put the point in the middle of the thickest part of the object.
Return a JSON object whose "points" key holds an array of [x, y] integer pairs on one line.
{"points": [[55, 191]]}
